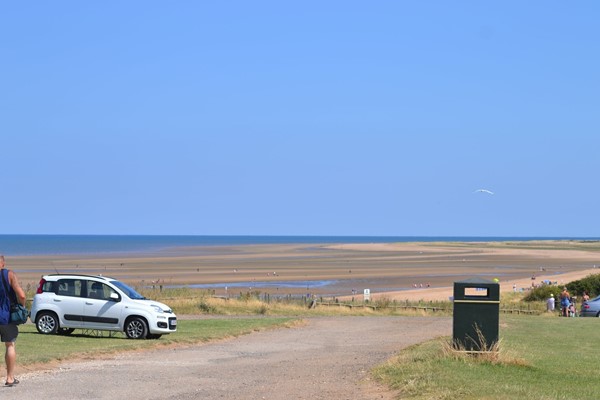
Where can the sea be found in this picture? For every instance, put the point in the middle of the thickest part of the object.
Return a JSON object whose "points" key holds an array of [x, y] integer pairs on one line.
{"points": [[34, 244]]}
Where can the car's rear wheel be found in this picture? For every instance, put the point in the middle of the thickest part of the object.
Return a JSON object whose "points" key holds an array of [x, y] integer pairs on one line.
{"points": [[136, 328], [47, 323]]}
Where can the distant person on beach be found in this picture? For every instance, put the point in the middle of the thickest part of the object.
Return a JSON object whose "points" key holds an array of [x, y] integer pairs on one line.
{"points": [[550, 303], [9, 332], [565, 302]]}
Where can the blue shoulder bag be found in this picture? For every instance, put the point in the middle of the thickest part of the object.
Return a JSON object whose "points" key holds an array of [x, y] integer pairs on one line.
{"points": [[18, 313]]}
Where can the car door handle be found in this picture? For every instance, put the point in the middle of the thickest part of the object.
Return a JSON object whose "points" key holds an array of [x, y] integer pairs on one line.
{"points": [[89, 304]]}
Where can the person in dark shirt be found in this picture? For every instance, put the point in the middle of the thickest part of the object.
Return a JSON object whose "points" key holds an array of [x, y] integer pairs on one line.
{"points": [[9, 332]]}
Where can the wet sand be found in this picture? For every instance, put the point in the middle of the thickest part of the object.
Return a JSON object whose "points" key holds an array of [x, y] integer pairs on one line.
{"points": [[390, 269]]}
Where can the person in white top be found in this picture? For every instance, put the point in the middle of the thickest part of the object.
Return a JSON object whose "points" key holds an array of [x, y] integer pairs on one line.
{"points": [[550, 303]]}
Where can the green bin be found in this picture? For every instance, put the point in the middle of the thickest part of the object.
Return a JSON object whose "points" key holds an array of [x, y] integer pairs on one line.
{"points": [[476, 314]]}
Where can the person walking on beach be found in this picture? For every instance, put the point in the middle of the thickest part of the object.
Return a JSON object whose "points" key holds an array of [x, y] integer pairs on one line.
{"points": [[9, 332]]}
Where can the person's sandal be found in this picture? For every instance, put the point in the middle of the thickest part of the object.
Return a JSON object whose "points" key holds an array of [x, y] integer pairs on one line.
{"points": [[13, 383]]}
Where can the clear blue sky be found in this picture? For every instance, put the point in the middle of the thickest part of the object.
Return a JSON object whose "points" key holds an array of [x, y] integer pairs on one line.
{"points": [[300, 118]]}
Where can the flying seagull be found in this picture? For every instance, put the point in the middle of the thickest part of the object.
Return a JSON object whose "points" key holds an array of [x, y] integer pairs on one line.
{"points": [[484, 191]]}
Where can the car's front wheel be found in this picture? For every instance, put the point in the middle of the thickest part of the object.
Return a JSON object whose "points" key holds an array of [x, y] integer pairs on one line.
{"points": [[136, 328], [47, 323]]}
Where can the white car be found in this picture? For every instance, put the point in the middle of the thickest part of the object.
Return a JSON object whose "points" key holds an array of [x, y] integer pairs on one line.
{"points": [[64, 303]]}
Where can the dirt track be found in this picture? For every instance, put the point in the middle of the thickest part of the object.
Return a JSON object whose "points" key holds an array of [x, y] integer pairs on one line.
{"points": [[328, 358]]}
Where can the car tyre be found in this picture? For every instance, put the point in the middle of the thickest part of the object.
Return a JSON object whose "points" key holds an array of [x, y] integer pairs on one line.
{"points": [[136, 328], [47, 323]]}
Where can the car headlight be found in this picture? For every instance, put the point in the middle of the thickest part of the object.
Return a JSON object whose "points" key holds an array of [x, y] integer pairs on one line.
{"points": [[157, 309]]}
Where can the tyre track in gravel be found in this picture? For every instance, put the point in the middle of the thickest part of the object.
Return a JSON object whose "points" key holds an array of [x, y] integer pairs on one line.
{"points": [[327, 358]]}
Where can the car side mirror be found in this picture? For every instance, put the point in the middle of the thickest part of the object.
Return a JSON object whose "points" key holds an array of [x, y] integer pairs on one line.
{"points": [[115, 297]]}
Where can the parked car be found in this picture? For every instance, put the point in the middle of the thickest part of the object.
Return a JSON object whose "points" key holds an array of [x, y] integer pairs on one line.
{"points": [[64, 303], [590, 308]]}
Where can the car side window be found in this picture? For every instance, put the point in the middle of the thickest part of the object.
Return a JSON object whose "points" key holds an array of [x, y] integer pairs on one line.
{"points": [[69, 287], [98, 290]]}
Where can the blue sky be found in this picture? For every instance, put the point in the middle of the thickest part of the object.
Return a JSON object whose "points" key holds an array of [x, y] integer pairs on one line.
{"points": [[300, 118]]}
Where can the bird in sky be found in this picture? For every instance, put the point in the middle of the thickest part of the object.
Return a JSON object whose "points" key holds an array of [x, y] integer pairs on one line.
{"points": [[484, 191]]}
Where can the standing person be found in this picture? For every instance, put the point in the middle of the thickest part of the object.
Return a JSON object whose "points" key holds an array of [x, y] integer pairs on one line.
{"points": [[586, 296], [9, 332], [565, 302], [572, 308], [550, 303]]}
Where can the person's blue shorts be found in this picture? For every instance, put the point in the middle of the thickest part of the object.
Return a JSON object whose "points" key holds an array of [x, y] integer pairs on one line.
{"points": [[9, 333]]}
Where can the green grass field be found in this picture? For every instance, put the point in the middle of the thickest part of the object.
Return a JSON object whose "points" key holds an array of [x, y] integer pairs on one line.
{"points": [[540, 358]]}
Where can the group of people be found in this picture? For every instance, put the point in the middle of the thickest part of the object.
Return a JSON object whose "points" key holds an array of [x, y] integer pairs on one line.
{"points": [[568, 307], [10, 331]]}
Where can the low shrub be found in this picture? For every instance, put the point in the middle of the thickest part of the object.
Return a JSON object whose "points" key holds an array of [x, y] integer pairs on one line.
{"points": [[589, 284], [542, 293], [207, 308]]}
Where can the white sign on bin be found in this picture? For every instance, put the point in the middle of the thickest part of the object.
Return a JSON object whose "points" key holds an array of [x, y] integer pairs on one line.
{"points": [[367, 294]]}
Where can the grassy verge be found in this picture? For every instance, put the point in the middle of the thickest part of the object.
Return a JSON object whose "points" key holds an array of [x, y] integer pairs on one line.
{"points": [[539, 358], [196, 302], [33, 348], [200, 302]]}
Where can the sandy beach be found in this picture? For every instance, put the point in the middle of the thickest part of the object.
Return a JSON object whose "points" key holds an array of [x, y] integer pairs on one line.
{"points": [[396, 270]]}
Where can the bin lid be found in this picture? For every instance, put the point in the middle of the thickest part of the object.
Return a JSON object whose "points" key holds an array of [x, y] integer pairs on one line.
{"points": [[485, 289], [477, 280]]}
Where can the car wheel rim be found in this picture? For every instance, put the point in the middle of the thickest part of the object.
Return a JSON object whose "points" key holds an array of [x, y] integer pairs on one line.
{"points": [[135, 329], [46, 324]]}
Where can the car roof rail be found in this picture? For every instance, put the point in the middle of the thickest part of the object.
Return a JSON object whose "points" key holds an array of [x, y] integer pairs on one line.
{"points": [[83, 276]]}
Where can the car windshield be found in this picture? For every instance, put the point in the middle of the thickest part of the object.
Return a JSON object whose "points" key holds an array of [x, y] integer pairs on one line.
{"points": [[130, 292]]}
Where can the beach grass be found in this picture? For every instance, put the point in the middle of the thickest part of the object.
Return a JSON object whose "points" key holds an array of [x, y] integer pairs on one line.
{"points": [[185, 301], [538, 358], [34, 349], [201, 302]]}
